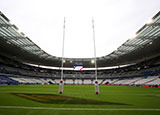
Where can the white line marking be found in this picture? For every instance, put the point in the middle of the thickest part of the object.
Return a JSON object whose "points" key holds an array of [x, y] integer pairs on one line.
{"points": [[81, 109]]}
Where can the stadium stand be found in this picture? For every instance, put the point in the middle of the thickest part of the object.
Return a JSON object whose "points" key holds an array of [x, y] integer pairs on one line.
{"points": [[140, 56], [13, 72], [5, 80]]}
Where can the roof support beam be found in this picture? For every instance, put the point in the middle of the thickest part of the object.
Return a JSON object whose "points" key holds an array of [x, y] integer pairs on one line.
{"points": [[117, 53], [131, 45], [153, 24], [40, 53], [5, 25], [36, 50], [27, 45], [147, 37], [13, 37], [123, 51], [42, 56], [8, 25]]}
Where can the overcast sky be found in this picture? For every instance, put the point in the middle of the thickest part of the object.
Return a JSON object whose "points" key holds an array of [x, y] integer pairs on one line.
{"points": [[115, 22]]}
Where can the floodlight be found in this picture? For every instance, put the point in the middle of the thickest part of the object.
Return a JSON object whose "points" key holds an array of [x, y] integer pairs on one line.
{"points": [[70, 61], [92, 61], [64, 61], [133, 36], [150, 43], [149, 21]]}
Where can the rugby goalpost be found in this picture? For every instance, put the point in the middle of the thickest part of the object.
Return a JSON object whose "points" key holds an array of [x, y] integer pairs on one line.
{"points": [[61, 83]]}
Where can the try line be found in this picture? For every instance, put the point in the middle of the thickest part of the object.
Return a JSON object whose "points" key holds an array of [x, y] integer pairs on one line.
{"points": [[80, 109]]}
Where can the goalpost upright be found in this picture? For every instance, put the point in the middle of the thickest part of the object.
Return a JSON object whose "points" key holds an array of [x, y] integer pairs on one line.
{"points": [[95, 61], [61, 81]]}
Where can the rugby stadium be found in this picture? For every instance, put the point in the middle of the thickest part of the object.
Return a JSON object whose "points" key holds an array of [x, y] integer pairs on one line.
{"points": [[128, 79]]}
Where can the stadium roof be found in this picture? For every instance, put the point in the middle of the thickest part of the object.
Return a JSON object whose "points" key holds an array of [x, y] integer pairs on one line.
{"points": [[143, 46]]}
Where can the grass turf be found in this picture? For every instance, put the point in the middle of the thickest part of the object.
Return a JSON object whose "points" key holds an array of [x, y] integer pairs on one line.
{"points": [[78, 96]]}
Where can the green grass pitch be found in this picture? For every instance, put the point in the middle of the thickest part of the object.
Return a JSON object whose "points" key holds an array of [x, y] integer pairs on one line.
{"points": [[78, 100]]}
